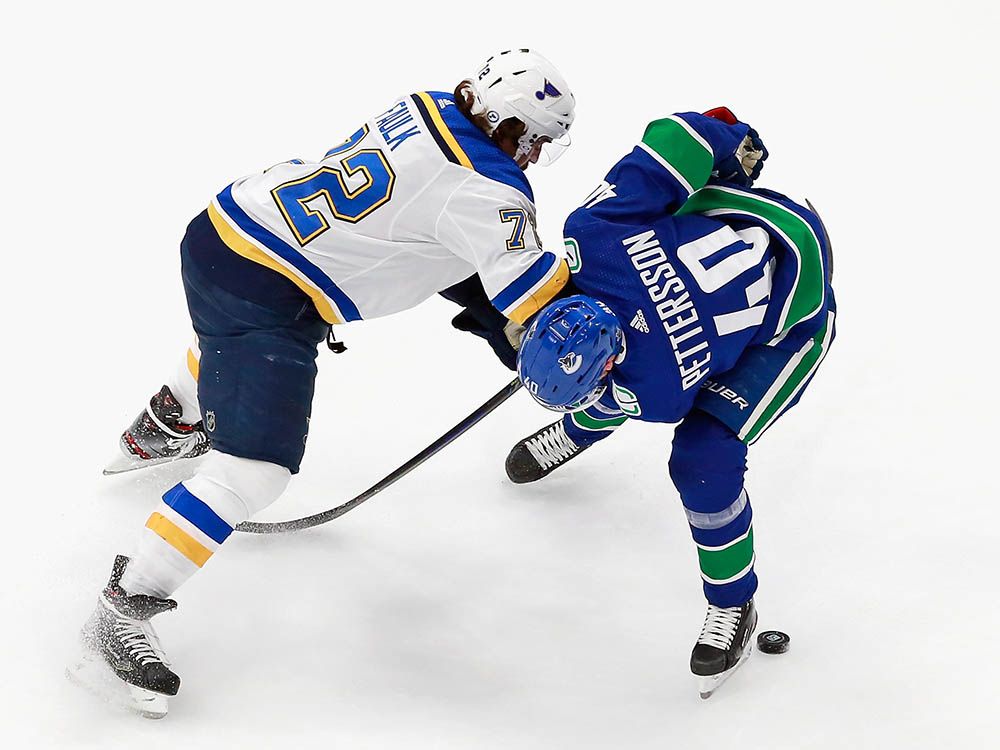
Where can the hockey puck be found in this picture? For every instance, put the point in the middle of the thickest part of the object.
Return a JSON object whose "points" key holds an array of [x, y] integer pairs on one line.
{"points": [[773, 642]]}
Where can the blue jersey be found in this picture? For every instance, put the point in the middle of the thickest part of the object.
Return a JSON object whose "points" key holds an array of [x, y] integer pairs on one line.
{"points": [[695, 270]]}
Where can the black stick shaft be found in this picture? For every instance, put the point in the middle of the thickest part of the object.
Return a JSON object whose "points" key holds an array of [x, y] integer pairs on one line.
{"points": [[253, 527]]}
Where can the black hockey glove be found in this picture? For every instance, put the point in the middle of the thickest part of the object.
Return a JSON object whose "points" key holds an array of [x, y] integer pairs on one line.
{"points": [[497, 339], [481, 319]]}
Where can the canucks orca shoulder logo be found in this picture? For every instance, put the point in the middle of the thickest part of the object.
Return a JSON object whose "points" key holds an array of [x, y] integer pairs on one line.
{"points": [[571, 363], [548, 90]]}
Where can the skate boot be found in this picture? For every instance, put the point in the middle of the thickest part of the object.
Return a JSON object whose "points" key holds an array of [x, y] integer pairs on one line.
{"points": [[724, 644], [158, 436], [123, 661], [538, 455]]}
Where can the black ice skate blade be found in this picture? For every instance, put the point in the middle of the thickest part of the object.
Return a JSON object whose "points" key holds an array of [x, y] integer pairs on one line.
{"points": [[707, 685], [92, 674]]}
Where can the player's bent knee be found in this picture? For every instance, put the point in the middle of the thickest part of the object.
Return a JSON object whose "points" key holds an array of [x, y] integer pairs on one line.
{"points": [[707, 462], [240, 487]]}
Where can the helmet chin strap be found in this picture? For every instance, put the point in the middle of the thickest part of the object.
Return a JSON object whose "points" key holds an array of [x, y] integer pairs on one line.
{"points": [[524, 148]]}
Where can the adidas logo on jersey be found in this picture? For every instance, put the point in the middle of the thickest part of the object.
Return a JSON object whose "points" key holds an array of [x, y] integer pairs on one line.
{"points": [[639, 322]]}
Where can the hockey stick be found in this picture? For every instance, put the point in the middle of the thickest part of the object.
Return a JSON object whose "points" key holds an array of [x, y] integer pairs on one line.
{"points": [[253, 527]]}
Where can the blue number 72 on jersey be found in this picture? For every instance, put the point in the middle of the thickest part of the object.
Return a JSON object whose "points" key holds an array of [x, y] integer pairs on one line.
{"points": [[305, 203]]}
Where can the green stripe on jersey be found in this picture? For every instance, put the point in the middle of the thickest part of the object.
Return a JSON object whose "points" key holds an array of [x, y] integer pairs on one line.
{"points": [[676, 144], [807, 297], [722, 563], [792, 381], [587, 422]]}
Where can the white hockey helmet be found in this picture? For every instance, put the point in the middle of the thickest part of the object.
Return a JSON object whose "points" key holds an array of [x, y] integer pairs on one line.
{"points": [[522, 84]]}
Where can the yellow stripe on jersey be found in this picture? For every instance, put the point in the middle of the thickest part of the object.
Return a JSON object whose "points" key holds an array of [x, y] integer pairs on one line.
{"points": [[241, 246], [446, 134], [541, 296], [193, 364], [179, 539]]}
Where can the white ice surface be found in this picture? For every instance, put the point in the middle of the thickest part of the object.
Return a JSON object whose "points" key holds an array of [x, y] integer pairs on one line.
{"points": [[456, 610]]}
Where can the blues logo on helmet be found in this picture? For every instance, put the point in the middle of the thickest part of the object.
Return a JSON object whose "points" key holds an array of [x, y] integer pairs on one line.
{"points": [[567, 352]]}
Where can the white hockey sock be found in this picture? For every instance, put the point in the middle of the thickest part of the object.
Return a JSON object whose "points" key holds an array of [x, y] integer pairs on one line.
{"points": [[195, 517], [184, 384]]}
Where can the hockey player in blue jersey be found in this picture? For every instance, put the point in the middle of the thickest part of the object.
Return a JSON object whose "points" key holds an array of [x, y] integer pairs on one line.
{"points": [[702, 301], [425, 195]]}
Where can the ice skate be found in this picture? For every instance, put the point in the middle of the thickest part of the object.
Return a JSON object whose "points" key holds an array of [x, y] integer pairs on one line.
{"points": [[122, 659], [158, 436], [723, 646], [537, 456]]}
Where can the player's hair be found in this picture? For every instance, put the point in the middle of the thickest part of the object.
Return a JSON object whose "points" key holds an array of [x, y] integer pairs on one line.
{"points": [[511, 128]]}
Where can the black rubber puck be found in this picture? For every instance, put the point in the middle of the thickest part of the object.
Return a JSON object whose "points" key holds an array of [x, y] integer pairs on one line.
{"points": [[773, 642]]}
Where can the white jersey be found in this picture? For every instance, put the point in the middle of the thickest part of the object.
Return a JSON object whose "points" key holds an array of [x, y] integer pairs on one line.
{"points": [[416, 200]]}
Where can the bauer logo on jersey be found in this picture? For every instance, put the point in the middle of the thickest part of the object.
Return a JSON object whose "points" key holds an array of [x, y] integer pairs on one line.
{"points": [[726, 393], [549, 90], [571, 363]]}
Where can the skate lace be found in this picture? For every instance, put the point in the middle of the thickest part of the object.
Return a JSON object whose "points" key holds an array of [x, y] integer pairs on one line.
{"points": [[175, 433], [720, 626], [552, 446], [139, 639]]}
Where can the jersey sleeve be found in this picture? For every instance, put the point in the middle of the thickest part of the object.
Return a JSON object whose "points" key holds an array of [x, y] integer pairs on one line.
{"points": [[676, 157], [492, 227]]}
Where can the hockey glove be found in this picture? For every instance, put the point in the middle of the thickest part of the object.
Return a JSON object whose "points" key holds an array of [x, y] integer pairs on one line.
{"points": [[744, 166], [481, 319], [501, 342], [725, 114]]}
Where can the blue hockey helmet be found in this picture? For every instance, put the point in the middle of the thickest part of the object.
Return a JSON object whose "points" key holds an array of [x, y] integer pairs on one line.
{"points": [[567, 352]]}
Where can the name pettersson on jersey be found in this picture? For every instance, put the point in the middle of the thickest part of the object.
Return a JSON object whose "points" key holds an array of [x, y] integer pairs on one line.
{"points": [[673, 306]]}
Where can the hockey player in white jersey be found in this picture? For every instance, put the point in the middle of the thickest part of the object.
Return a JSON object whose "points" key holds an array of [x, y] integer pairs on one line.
{"points": [[428, 193]]}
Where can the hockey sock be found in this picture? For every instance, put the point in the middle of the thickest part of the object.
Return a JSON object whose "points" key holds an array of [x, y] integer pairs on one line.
{"points": [[195, 517], [184, 385], [707, 465], [725, 552]]}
